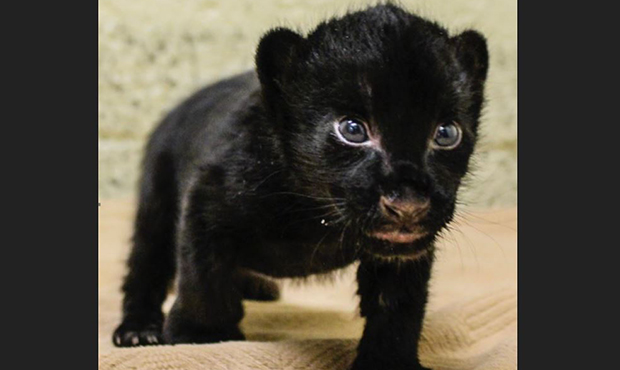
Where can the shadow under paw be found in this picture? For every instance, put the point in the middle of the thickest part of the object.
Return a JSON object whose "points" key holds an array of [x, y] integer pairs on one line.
{"points": [[201, 335]]}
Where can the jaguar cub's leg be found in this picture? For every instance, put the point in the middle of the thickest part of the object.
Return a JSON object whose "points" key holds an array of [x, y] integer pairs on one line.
{"points": [[208, 307], [152, 260], [392, 299]]}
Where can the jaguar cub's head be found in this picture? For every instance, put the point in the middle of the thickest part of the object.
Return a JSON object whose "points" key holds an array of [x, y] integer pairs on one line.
{"points": [[377, 113]]}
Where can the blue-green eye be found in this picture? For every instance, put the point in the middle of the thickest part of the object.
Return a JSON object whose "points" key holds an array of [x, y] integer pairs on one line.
{"points": [[352, 131], [447, 136]]}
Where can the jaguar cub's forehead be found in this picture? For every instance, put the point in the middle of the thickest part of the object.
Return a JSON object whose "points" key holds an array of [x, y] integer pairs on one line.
{"points": [[385, 64], [378, 39]]}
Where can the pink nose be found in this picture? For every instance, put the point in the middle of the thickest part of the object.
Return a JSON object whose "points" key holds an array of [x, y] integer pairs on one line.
{"points": [[405, 211]]}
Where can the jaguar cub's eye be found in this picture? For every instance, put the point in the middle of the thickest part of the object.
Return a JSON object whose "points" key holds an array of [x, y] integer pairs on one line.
{"points": [[352, 131], [447, 136]]}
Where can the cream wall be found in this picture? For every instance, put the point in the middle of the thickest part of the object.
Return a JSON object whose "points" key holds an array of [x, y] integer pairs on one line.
{"points": [[153, 53]]}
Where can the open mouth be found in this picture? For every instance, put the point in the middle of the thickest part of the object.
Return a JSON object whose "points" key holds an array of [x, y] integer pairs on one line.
{"points": [[399, 236]]}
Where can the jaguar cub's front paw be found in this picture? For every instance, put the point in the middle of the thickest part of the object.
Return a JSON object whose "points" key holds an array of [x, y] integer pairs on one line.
{"points": [[132, 333], [357, 366], [177, 331], [365, 363], [199, 335]]}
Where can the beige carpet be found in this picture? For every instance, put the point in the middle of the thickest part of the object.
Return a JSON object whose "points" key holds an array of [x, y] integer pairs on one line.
{"points": [[471, 321]]}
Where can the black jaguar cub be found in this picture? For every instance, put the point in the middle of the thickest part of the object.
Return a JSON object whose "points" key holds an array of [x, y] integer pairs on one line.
{"points": [[347, 144]]}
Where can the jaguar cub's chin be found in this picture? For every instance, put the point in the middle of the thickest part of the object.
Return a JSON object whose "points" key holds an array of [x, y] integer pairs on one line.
{"points": [[399, 243], [402, 256]]}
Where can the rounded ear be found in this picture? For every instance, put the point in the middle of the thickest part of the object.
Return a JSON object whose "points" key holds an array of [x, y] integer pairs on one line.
{"points": [[471, 51], [274, 58]]}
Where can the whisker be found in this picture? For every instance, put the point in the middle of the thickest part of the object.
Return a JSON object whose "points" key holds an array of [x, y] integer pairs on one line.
{"points": [[302, 195], [464, 221], [484, 220], [470, 245], [325, 206], [342, 238], [316, 249], [265, 179], [448, 232]]}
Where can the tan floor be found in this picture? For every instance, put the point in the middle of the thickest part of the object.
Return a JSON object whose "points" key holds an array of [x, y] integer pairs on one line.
{"points": [[471, 322]]}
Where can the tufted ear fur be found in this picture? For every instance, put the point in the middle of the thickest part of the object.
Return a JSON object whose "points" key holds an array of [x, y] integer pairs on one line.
{"points": [[275, 59], [471, 51]]}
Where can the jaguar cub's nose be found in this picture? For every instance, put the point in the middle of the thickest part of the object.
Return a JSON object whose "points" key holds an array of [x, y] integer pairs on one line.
{"points": [[404, 210]]}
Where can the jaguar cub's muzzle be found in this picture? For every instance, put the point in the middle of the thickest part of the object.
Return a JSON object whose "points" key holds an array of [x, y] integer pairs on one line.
{"points": [[402, 219]]}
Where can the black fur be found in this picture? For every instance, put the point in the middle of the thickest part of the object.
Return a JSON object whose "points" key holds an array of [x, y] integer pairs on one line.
{"points": [[247, 178]]}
